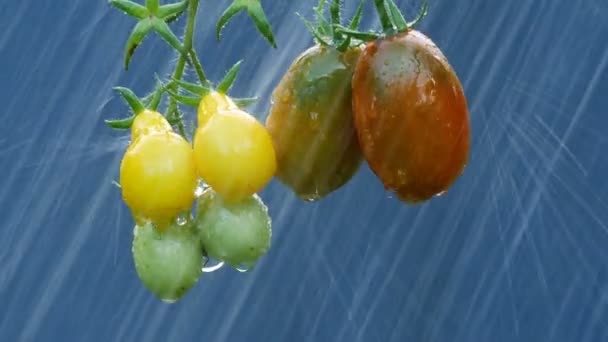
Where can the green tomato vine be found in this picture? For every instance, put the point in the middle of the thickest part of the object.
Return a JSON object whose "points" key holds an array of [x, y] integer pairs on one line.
{"points": [[153, 17]]}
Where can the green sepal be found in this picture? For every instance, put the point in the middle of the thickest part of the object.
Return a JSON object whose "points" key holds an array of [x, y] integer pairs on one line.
{"points": [[385, 19], [192, 87], [397, 18], [132, 100], [354, 23], [175, 118], [131, 8], [192, 101], [170, 12], [255, 11], [323, 27], [334, 12], [423, 12], [153, 6], [228, 80], [363, 36], [161, 27], [157, 95], [120, 124], [140, 31], [245, 102], [316, 32]]}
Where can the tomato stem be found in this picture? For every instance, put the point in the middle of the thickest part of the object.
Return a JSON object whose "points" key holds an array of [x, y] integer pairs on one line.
{"points": [[198, 67], [172, 111]]}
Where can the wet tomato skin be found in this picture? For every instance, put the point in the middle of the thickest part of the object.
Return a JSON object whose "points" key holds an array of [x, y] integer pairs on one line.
{"points": [[234, 154], [158, 177], [411, 116], [311, 123]]}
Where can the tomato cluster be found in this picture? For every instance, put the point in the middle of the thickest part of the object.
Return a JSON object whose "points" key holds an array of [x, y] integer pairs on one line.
{"points": [[159, 174], [397, 102], [389, 99]]}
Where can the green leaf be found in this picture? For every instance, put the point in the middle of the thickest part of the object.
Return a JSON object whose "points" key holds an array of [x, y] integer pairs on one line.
{"points": [[152, 6], [230, 12], [131, 8], [255, 11], [161, 27], [120, 124], [171, 12], [398, 18], [314, 31], [132, 100], [245, 102], [423, 12], [193, 88], [229, 78], [140, 31]]}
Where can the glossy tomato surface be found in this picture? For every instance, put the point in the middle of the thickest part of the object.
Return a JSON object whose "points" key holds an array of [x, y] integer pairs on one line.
{"points": [[411, 116], [158, 177], [234, 154], [311, 123]]}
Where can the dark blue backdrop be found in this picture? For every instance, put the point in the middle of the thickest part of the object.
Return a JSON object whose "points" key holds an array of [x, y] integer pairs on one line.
{"points": [[516, 251]]}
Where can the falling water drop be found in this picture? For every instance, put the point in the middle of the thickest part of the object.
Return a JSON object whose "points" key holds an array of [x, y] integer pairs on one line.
{"points": [[441, 193], [244, 268]]}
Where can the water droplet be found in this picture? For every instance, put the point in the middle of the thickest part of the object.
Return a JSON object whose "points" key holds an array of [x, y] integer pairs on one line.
{"points": [[211, 265], [168, 300], [200, 188], [311, 197], [182, 219], [243, 268], [441, 193]]}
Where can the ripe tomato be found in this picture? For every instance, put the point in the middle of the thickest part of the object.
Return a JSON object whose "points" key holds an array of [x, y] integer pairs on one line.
{"points": [[158, 176], [237, 233], [168, 263], [311, 123], [147, 122], [411, 116], [234, 154], [213, 103]]}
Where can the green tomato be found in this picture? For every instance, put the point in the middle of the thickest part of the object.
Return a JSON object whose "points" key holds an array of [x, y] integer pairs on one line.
{"points": [[311, 123], [168, 263], [236, 233]]}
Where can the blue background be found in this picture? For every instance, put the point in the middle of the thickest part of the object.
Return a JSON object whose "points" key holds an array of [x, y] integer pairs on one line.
{"points": [[516, 251]]}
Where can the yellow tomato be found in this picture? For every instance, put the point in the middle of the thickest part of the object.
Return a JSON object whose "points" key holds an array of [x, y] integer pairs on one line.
{"points": [[211, 104], [158, 177], [234, 154], [149, 121]]}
